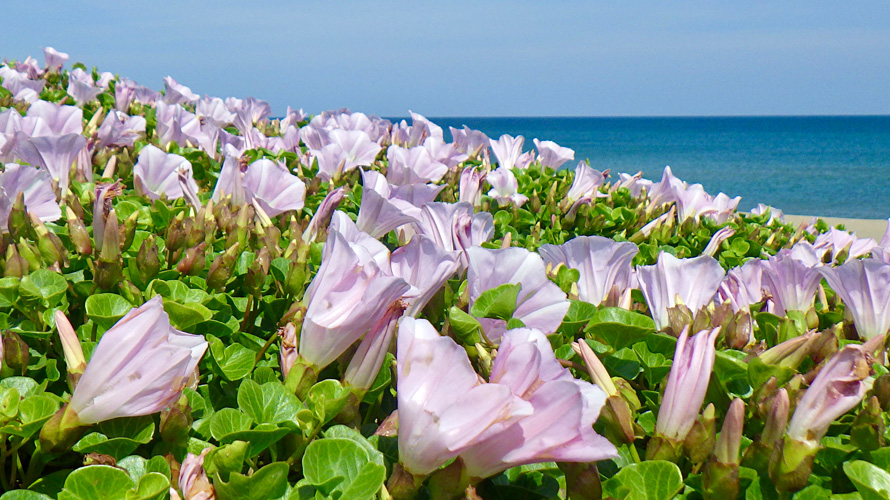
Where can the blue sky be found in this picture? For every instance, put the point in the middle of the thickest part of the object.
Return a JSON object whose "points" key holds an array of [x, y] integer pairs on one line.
{"points": [[485, 58]]}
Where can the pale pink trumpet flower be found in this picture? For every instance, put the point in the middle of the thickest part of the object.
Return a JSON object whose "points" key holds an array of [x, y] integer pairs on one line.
{"points": [[864, 286], [602, 262], [156, 174], [552, 155], [672, 281]]}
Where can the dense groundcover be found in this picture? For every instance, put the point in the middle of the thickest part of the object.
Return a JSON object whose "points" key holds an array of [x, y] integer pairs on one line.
{"points": [[201, 302]]}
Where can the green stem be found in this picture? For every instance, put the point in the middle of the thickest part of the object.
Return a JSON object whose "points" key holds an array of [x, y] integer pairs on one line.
{"points": [[266, 346], [246, 321], [634, 453]]}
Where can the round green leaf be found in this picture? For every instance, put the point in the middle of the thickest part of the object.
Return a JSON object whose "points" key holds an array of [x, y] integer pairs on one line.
{"points": [[105, 309], [97, 481], [650, 480]]}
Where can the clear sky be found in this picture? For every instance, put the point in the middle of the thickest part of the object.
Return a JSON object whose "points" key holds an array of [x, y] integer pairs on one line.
{"points": [[485, 58]]}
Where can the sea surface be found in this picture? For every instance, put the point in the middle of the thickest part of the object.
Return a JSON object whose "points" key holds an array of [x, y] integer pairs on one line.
{"points": [[834, 166]]}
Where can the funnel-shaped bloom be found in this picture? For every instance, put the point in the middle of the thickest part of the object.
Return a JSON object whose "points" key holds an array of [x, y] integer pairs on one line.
{"points": [[664, 191], [347, 150], [213, 110], [82, 87], [471, 180], [585, 185], [443, 152], [426, 267], [565, 409], [602, 262], [864, 285], [176, 93], [672, 281], [371, 352], [249, 112], [505, 188], [348, 295], [156, 173], [838, 387], [53, 59], [687, 384], [412, 166], [37, 186], [270, 185], [379, 212], [834, 241], [323, 214], [790, 281], [508, 151], [54, 153], [742, 285], [552, 154], [541, 304], [444, 406], [468, 141], [120, 129], [60, 119], [139, 367], [176, 124], [454, 226]]}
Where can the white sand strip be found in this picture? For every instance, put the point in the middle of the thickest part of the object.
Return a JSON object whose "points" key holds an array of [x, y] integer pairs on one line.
{"points": [[864, 228]]}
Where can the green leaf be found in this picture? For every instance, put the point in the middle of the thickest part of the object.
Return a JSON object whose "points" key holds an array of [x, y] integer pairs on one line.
{"points": [[9, 292], [578, 315], [872, 482], [118, 437], [759, 372], [43, 287], [268, 482], [650, 480], [812, 492], [24, 495], [497, 303], [152, 486], [619, 328], [106, 308], [325, 400], [34, 411], [184, 316], [341, 431], [228, 421], [342, 468], [234, 362], [97, 481], [269, 403], [259, 438], [467, 329]]}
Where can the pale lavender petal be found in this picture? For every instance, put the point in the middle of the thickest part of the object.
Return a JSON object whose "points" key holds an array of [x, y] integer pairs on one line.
{"points": [[672, 281], [602, 262], [273, 187]]}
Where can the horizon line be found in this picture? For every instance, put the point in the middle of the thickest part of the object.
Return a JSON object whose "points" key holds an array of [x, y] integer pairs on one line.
{"points": [[863, 115]]}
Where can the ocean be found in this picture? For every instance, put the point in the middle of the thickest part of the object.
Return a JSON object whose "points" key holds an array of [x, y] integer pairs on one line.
{"points": [[833, 166]]}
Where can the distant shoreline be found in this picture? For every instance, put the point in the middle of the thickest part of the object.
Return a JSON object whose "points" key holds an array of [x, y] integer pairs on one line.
{"points": [[864, 228]]}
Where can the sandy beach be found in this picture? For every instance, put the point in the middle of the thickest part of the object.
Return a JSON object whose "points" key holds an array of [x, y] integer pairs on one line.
{"points": [[864, 228]]}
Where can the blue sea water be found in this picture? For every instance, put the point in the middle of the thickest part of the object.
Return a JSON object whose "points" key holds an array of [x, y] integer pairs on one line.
{"points": [[834, 166]]}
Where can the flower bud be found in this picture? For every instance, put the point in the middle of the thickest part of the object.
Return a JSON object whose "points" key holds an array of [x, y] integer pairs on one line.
{"points": [[129, 231], [15, 352], [31, 255], [16, 266], [295, 282], [61, 431], [699, 443], [679, 317], [83, 244], [148, 263], [176, 422], [881, 389], [256, 273], [17, 223], [221, 268], [193, 261], [582, 480], [111, 239], [721, 473], [71, 347]]}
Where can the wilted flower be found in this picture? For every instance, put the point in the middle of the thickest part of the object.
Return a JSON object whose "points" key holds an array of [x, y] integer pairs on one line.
{"points": [[672, 281], [864, 285], [603, 263], [322, 216], [193, 481]]}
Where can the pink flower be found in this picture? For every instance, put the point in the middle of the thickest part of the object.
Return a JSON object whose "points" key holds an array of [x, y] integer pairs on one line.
{"points": [[444, 406], [156, 173], [687, 384], [270, 185], [602, 262], [552, 154], [791, 278], [425, 266], [505, 188], [672, 281], [541, 304], [864, 285], [37, 187], [508, 151], [139, 367], [560, 427], [54, 153]]}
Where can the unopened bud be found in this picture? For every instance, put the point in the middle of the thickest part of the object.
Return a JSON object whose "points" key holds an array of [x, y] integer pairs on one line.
{"points": [[15, 352], [176, 422], [881, 389], [679, 317], [193, 261], [221, 268], [582, 480], [78, 234], [17, 223], [16, 266], [726, 450], [30, 253], [256, 273], [148, 262], [867, 432], [74, 359], [129, 231], [111, 240], [702, 437]]}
